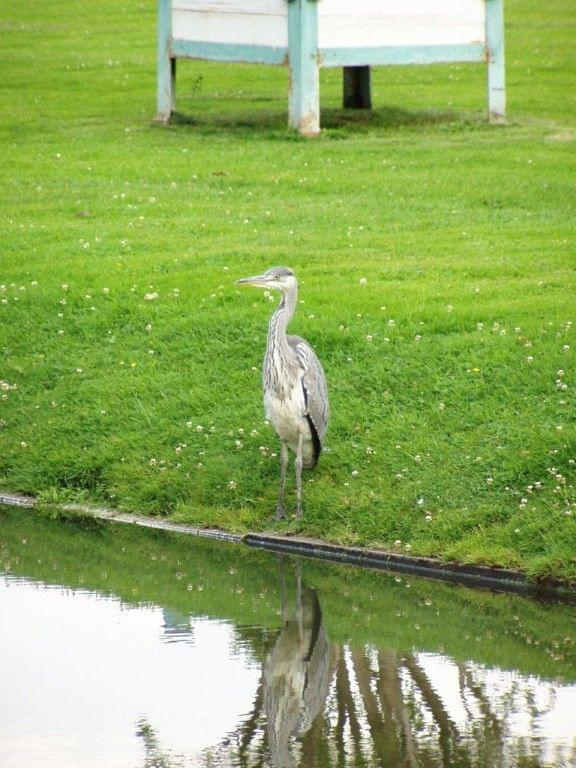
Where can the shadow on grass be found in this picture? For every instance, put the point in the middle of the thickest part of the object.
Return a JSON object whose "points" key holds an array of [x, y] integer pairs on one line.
{"points": [[335, 123]]}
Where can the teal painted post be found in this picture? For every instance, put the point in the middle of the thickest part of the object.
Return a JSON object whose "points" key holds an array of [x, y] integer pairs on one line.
{"points": [[304, 100], [496, 68], [166, 74]]}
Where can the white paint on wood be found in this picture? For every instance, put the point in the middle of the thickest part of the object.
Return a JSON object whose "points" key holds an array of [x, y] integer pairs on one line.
{"points": [[272, 7], [373, 23], [413, 8], [238, 28], [341, 23]]}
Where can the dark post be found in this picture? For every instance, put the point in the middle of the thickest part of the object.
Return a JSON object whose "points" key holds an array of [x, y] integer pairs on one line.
{"points": [[357, 88]]}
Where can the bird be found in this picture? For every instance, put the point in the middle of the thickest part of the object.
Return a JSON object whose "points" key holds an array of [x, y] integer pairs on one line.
{"points": [[294, 385]]}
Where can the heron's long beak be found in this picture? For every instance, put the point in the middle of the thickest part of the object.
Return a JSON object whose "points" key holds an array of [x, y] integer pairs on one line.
{"points": [[255, 280]]}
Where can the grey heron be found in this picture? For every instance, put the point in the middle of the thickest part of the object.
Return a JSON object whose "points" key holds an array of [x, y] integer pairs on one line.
{"points": [[295, 392]]}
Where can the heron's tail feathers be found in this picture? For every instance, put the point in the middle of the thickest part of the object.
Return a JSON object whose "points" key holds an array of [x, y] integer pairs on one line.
{"points": [[311, 460]]}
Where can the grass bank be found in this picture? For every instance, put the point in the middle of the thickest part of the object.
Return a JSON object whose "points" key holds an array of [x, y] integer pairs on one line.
{"points": [[436, 261]]}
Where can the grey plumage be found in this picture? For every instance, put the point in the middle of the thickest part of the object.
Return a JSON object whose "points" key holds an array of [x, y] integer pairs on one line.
{"points": [[295, 391]]}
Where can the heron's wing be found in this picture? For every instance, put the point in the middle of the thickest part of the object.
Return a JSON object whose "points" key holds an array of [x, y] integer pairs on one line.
{"points": [[314, 384]]}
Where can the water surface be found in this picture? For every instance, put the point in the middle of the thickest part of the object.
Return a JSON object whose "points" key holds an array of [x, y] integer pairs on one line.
{"points": [[122, 647]]}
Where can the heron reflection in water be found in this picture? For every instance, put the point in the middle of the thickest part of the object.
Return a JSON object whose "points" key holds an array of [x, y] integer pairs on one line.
{"points": [[297, 673]]}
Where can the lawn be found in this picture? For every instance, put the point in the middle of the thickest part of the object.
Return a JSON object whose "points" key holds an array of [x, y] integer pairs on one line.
{"points": [[436, 261]]}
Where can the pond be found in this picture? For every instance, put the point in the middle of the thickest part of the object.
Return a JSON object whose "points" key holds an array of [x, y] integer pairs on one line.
{"points": [[129, 648]]}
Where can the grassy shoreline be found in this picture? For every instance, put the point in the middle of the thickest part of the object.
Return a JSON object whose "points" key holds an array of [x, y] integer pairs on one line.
{"points": [[436, 260]]}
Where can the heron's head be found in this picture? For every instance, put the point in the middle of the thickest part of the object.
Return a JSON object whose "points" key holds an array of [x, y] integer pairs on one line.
{"points": [[275, 278]]}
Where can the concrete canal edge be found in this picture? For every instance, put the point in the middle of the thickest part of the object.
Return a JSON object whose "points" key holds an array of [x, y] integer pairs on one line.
{"points": [[115, 516], [501, 579]]}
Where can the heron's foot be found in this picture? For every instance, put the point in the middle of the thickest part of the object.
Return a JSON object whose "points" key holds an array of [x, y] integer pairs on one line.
{"points": [[280, 514]]}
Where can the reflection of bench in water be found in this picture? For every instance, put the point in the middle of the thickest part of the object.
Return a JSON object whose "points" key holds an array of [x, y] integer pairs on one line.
{"points": [[306, 35], [176, 626]]}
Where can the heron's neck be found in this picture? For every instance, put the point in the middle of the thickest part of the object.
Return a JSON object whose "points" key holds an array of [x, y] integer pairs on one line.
{"points": [[280, 320]]}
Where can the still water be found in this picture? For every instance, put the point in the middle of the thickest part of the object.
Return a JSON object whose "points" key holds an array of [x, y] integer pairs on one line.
{"points": [[130, 648]]}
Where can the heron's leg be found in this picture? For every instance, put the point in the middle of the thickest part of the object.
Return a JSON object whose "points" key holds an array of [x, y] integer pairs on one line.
{"points": [[298, 468], [283, 609], [299, 612], [283, 466]]}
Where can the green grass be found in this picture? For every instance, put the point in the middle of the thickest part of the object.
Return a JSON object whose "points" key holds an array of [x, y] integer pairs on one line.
{"points": [[443, 367]]}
